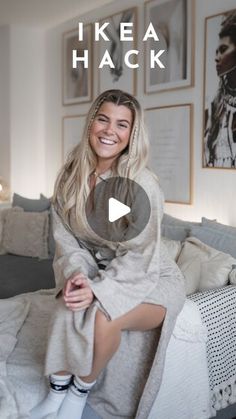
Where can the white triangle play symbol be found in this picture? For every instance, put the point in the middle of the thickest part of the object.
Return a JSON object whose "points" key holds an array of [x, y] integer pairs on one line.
{"points": [[116, 209]]}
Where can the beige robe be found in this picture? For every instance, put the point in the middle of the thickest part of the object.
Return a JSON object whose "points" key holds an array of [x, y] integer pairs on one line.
{"points": [[137, 271]]}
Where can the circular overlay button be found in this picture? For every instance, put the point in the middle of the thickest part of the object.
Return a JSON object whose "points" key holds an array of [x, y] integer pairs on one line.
{"points": [[118, 209]]}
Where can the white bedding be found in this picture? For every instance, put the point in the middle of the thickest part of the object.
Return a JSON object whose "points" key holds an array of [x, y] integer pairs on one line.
{"points": [[184, 391]]}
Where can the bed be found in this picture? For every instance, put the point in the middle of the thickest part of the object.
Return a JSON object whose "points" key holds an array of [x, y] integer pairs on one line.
{"points": [[196, 383]]}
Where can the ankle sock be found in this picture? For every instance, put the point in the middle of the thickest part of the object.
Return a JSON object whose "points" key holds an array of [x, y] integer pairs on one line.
{"points": [[59, 385], [75, 400]]}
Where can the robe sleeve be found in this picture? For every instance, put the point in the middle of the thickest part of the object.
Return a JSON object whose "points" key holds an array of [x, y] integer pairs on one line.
{"points": [[70, 255], [135, 271]]}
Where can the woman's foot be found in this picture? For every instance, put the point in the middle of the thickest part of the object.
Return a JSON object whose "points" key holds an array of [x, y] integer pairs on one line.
{"points": [[59, 385], [74, 403]]}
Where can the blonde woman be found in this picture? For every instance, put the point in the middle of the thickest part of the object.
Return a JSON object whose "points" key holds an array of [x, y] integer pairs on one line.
{"points": [[115, 296]]}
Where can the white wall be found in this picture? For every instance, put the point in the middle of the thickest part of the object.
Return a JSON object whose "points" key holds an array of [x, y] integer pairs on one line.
{"points": [[4, 103], [27, 110], [213, 195]]}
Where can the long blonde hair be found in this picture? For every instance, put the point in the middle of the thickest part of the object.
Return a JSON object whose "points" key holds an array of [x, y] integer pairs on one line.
{"points": [[72, 183]]}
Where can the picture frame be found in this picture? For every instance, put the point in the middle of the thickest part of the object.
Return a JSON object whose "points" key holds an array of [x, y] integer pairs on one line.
{"points": [[72, 131], [77, 85], [219, 92], [121, 77], [173, 22], [171, 144]]}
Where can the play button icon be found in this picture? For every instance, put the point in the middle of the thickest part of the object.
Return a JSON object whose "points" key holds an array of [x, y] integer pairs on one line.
{"points": [[117, 209]]}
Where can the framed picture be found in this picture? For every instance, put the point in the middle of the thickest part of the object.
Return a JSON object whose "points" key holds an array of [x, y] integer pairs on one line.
{"points": [[121, 77], [77, 82], [172, 21], [219, 98], [170, 134], [72, 131]]}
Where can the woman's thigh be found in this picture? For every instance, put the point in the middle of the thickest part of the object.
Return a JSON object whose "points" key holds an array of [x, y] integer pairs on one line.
{"points": [[143, 317]]}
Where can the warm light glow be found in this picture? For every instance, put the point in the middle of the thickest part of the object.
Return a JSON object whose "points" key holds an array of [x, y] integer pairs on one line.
{"points": [[4, 190]]}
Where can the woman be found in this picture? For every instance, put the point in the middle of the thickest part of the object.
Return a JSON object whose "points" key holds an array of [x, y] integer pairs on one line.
{"points": [[220, 137], [109, 288]]}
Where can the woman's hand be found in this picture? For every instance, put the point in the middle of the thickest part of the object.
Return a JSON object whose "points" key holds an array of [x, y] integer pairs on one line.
{"points": [[77, 293]]}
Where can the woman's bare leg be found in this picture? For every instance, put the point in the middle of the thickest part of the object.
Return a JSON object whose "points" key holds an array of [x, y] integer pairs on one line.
{"points": [[108, 333]]}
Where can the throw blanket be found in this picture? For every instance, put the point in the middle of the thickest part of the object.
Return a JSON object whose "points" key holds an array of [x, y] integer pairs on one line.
{"points": [[22, 384], [218, 312], [12, 317]]}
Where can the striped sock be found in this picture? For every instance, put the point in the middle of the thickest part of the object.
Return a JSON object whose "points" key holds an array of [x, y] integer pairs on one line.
{"points": [[59, 385], [75, 400]]}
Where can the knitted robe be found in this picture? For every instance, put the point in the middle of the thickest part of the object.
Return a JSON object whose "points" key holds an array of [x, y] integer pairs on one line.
{"points": [[137, 271]]}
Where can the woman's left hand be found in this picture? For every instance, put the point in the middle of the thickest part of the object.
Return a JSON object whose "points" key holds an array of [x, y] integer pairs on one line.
{"points": [[81, 295]]}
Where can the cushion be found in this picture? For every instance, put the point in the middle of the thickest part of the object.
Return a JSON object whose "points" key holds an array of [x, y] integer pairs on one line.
{"points": [[175, 232], [173, 247], [204, 267], [26, 233], [175, 228], [37, 205], [232, 275], [3, 214], [216, 235], [34, 205]]}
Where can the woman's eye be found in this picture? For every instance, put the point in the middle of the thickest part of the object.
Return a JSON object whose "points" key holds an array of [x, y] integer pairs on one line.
{"points": [[123, 125]]}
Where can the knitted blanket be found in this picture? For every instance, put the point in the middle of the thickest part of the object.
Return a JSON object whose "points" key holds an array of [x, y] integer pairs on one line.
{"points": [[218, 312]]}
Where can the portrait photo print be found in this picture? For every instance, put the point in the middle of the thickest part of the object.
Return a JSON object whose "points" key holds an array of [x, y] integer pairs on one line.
{"points": [[219, 119]]}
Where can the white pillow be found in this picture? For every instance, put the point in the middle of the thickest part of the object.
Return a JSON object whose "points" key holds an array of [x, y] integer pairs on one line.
{"points": [[173, 247], [203, 267], [26, 233]]}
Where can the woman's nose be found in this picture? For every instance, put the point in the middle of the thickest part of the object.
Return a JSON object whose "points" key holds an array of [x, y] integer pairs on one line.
{"points": [[110, 128]]}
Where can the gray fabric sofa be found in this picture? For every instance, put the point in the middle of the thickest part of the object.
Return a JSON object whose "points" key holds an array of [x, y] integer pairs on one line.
{"points": [[19, 274]]}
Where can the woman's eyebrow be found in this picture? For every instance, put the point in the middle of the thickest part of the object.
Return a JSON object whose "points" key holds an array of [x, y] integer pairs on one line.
{"points": [[102, 114], [107, 117]]}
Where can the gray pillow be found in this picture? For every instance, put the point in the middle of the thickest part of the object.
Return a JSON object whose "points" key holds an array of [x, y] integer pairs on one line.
{"points": [[175, 228], [178, 233], [169, 220], [31, 205], [216, 235]]}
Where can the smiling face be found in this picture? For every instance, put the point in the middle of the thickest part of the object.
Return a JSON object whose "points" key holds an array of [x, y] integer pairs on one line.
{"points": [[225, 56], [110, 132]]}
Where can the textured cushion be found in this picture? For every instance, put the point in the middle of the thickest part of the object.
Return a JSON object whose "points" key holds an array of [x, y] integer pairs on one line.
{"points": [[173, 247], [203, 267], [37, 205], [3, 214], [176, 229], [217, 235], [26, 233], [34, 205]]}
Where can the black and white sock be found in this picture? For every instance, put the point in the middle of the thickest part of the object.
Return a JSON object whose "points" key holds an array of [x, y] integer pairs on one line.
{"points": [[75, 400], [59, 385]]}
